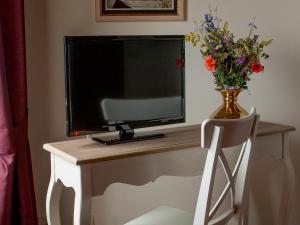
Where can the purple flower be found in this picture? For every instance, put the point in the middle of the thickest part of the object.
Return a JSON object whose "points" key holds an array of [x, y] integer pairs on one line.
{"points": [[208, 21], [240, 60], [208, 18], [255, 37], [210, 27]]}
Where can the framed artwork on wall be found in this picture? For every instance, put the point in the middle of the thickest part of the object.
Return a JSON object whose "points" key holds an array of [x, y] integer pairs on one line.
{"points": [[139, 10]]}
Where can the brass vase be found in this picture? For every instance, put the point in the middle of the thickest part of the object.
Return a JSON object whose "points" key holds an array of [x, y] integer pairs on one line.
{"points": [[230, 109]]}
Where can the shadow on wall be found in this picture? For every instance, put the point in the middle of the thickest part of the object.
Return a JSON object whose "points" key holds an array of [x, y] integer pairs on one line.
{"points": [[264, 200], [38, 85]]}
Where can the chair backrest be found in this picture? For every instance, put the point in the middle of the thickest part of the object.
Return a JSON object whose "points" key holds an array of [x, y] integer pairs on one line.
{"points": [[215, 135]]}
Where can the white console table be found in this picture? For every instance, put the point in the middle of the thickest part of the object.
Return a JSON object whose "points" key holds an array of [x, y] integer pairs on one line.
{"points": [[72, 162]]}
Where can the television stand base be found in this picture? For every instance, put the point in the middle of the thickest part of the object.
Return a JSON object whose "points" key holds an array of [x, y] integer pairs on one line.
{"points": [[130, 138]]}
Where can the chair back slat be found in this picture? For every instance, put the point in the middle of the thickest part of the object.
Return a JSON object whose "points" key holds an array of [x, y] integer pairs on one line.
{"points": [[236, 131]]}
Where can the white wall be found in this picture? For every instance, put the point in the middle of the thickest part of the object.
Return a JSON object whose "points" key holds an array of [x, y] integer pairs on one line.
{"points": [[275, 93]]}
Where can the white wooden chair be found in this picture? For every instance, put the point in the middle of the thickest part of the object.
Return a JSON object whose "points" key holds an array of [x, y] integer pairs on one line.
{"points": [[215, 135]]}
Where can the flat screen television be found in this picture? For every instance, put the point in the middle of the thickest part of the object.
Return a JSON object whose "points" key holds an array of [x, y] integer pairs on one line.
{"points": [[120, 83]]}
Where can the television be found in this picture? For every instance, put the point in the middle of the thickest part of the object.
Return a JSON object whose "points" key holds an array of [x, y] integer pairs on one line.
{"points": [[120, 83]]}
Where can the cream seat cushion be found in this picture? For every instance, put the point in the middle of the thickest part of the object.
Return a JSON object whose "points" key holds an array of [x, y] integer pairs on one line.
{"points": [[164, 215]]}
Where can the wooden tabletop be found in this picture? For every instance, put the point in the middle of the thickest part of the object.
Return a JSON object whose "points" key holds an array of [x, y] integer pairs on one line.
{"points": [[83, 151]]}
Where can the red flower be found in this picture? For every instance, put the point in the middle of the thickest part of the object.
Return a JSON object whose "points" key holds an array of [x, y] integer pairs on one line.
{"points": [[256, 67], [179, 63], [210, 63]]}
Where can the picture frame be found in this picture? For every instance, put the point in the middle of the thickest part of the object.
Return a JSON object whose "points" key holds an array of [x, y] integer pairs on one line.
{"points": [[140, 10]]}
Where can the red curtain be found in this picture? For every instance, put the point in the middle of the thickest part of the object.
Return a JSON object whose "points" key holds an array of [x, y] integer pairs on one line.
{"points": [[17, 199]]}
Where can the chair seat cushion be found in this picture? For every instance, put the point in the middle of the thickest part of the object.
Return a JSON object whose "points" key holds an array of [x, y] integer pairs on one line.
{"points": [[164, 215]]}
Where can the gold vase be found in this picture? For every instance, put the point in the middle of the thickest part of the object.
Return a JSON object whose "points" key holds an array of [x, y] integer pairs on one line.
{"points": [[230, 109]]}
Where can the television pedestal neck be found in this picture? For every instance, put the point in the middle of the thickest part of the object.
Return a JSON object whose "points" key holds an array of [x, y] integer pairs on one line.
{"points": [[128, 135]]}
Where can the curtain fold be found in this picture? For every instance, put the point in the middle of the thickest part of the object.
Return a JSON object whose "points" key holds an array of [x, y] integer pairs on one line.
{"points": [[7, 156], [17, 199]]}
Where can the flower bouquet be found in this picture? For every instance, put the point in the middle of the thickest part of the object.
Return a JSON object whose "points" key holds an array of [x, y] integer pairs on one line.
{"points": [[232, 61]]}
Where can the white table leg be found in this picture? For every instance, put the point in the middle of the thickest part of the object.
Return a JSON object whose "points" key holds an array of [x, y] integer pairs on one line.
{"points": [[52, 203], [82, 202], [291, 177], [53, 198], [78, 177]]}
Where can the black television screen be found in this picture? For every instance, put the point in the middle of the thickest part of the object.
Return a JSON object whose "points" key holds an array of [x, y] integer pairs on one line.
{"points": [[125, 82]]}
